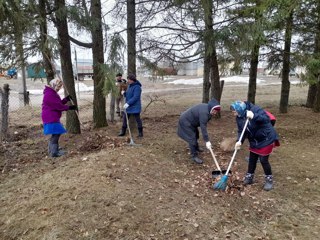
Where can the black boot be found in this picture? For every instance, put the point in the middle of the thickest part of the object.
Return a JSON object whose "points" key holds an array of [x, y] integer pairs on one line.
{"points": [[194, 154], [55, 151], [123, 132], [140, 132], [248, 179], [196, 159]]}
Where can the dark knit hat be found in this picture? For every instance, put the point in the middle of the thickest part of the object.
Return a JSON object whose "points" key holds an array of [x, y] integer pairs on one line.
{"points": [[132, 77], [119, 75]]}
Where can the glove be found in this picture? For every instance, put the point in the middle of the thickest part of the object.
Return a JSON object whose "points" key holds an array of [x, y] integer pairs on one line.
{"points": [[73, 107], [250, 114], [237, 146], [69, 98], [125, 106], [122, 92], [208, 145]]}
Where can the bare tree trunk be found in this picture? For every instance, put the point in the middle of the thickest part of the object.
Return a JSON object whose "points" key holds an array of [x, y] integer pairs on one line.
{"points": [[73, 123], [46, 53], [312, 92], [99, 100], [4, 111], [285, 86], [254, 58], [215, 77], [206, 78], [211, 68], [131, 36], [131, 40], [207, 5], [251, 97], [316, 105]]}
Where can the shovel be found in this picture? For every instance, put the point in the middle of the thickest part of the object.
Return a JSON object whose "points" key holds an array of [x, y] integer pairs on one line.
{"points": [[216, 173]]}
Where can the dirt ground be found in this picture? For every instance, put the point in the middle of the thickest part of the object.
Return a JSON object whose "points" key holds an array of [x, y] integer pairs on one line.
{"points": [[106, 189]]}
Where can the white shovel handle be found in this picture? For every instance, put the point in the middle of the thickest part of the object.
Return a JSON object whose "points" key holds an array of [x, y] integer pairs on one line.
{"points": [[215, 160]]}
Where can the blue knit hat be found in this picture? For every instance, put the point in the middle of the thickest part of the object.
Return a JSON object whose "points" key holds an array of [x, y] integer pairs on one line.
{"points": [[240, 107]]}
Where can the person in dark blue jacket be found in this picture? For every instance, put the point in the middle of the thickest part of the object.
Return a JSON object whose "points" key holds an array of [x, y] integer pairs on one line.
{"points": [[132, 105], [189, 121], [262, 138]]}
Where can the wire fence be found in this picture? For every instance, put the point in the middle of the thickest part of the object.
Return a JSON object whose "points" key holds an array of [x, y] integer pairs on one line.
{"points": [[14, 112], [20, 114]]}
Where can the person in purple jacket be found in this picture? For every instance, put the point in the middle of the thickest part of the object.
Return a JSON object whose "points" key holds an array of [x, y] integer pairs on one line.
{"points": [[52, 108]]}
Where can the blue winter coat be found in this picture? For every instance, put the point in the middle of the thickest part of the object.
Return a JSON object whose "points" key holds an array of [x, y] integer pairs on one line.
{"points": [[196, 116], [133, 97], [260, 132]]}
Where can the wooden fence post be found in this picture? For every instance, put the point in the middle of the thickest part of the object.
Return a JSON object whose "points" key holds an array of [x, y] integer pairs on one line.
{"points": [[4, 111]]}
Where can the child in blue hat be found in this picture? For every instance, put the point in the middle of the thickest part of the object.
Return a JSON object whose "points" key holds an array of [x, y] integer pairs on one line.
{"points": [[262, 138]]}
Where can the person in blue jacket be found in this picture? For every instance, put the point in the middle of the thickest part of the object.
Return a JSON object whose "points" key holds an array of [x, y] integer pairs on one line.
{"points": [[189, 121], [262, 139], [132, 105]]}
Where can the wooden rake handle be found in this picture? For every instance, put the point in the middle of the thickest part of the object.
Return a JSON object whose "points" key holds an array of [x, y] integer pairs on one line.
{"points": [[235, 151]]}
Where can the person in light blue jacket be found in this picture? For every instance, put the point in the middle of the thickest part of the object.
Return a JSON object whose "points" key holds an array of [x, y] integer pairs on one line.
{"points": [[132, 105]]}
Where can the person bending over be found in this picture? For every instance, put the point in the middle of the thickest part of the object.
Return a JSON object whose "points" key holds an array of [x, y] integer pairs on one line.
{"points": [[193, 118]]}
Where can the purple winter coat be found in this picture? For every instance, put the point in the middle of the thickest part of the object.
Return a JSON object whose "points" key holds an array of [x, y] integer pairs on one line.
{"points": [[52, 106]]}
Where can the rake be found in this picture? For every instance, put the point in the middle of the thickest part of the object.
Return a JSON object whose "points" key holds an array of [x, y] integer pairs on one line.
{"points": [[222, 184], [132, 143]]}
